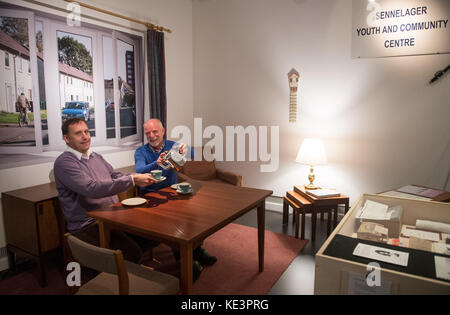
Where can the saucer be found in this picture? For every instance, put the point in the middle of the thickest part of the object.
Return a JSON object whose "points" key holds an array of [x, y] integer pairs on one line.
{"points": [[175, 186], [184, 193], [163, 178]]}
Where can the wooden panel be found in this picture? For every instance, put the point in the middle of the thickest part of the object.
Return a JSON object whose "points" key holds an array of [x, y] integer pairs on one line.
{"points": [[35, 193], [19, 218], [48, 226]]}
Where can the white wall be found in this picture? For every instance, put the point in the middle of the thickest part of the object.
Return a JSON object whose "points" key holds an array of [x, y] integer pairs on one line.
{"points": [[382, 125]]}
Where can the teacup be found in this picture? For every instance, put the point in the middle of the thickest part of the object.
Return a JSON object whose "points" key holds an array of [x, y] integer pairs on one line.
{"points": [[156, 174], [184, 187]]}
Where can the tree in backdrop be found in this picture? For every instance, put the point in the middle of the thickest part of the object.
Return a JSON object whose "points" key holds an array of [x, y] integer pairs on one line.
{"points": [[73, 53], [16, 28]]}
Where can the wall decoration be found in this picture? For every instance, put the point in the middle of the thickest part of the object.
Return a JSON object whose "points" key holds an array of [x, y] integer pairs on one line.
{"points": [[384, 28], [294, 77], [439, 74]]}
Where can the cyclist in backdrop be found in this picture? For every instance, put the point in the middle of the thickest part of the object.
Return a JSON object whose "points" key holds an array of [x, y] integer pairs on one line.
{"points": [[23, 104]]}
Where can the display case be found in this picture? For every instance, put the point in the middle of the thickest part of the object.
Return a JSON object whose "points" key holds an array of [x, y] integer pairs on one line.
{"points": [[340, 269]]}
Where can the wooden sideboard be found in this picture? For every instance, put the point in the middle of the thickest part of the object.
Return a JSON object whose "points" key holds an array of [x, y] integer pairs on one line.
{"points": [[30, 218]]}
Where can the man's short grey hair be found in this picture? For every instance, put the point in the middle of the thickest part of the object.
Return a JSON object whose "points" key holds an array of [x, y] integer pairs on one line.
{"points": [[160, 123]]}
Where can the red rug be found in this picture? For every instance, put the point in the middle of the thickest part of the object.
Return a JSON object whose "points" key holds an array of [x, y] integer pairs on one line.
{"points": [[235, 272]]}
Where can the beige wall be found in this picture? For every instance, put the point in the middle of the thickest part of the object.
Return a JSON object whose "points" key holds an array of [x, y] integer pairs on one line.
{"points": [[383, 126]]}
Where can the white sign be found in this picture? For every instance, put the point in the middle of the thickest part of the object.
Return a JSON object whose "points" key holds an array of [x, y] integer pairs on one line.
{"points": [[383, 28]]}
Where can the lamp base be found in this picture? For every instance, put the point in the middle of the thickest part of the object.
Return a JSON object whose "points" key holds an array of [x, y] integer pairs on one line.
{"points": [[311, 178], [310, 186]]}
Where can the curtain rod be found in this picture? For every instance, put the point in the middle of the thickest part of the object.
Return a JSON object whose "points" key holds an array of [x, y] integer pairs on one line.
{"points": [[148, 25]]}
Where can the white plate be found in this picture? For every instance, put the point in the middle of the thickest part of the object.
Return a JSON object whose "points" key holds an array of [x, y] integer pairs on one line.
{"points": [[163, 178], [184, 193], [134, 201]]}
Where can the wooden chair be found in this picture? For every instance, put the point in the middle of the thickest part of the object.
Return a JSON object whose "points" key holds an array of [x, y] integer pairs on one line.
{"points": [[117, 276]]}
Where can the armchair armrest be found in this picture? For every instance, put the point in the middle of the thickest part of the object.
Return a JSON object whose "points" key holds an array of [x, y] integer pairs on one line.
{"points": [[229, 177]]}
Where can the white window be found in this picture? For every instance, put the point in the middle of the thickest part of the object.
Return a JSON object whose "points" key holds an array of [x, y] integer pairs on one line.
{"points": [[6, 59]]}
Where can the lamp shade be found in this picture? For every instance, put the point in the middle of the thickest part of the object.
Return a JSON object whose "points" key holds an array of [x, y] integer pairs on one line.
{"points": [[312, 152]]}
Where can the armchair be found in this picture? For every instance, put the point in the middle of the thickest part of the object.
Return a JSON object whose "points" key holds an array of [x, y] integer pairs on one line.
{"points": [[207, 171]]}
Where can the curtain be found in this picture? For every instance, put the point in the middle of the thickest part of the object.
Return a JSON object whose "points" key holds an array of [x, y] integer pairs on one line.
{"points": [[157, 76]]}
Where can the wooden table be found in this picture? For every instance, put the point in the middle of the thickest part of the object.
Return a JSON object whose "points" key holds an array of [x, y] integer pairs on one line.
{"points": [[184, 221], [298, 204], [320, 203]]}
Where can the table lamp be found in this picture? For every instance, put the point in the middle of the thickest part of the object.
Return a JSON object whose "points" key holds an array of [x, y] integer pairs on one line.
{"points": [[311, 153]]}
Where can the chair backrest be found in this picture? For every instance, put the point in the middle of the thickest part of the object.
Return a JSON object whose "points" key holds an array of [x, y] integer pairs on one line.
{"points": [[202, 169], [100, 259]]}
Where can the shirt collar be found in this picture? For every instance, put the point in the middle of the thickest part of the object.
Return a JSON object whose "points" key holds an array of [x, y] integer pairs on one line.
{"points": [[79, 155], [158, 149]]}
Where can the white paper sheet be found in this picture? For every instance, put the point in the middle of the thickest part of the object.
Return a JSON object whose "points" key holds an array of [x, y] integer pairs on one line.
{"points": [[429, 236], [394, 193], [381, 254], [373, 210], [442, 265]]}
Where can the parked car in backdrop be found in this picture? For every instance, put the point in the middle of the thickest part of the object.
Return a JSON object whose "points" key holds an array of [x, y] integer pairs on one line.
{"points": [[76, 110]]}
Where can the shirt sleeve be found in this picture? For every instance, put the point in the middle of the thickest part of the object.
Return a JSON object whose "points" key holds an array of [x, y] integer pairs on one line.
{"points": [[144, 165], [71, 175]]}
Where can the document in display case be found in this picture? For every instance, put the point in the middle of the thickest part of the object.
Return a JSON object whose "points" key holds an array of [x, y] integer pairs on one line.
{"points": [[414, 261]]}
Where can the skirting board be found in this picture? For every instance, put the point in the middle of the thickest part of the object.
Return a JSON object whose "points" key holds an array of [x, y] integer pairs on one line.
{"points": [[274, 206]]}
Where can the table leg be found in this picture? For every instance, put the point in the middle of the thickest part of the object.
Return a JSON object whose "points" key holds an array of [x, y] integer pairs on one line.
{"points": [[104, 235], [186, 264], [11, 259], [42, 274], [297, 219], [313, 223], [328, 220], [346, 206], [335, 217], [261, 228], [285, 211], [303, 223]]}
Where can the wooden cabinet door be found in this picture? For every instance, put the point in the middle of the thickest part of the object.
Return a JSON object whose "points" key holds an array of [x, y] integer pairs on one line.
{"points": [[48, 226]]}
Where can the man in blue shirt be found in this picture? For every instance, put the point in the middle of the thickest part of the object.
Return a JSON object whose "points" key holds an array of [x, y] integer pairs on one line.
{"points": [[146, 159], [148, 156]]}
